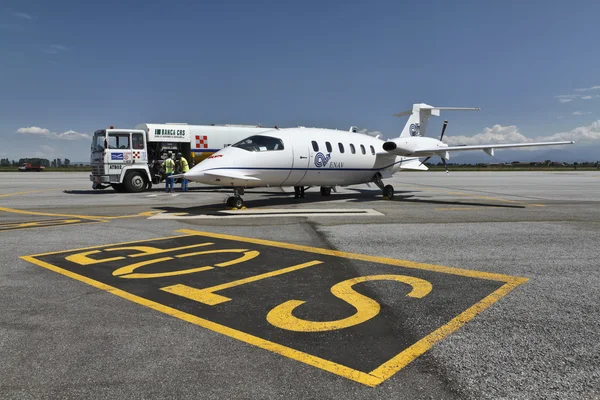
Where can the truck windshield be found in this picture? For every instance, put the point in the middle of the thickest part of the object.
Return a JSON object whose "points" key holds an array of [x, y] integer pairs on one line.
{"points": [[98, 141]]}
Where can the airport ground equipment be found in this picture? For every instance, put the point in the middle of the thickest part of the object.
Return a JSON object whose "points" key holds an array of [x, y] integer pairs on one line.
{"points": [[130, 160]]}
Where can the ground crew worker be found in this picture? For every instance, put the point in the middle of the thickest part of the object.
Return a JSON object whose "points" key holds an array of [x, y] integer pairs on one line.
{"points": [[169, 166], [183, 168]]}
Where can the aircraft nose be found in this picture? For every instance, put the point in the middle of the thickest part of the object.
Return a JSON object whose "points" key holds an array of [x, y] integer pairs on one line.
{"points": [[196, 173]]}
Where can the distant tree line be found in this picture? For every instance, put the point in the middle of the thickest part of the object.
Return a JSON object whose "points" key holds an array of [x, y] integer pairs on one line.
{"points": [[57, 162]]}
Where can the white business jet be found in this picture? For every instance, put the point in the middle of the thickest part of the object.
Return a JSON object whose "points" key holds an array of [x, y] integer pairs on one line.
{"points": [[328, 158]]}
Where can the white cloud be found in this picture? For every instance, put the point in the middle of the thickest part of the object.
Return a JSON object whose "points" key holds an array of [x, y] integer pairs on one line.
{"points": [[588, 89], [22, 15], [510, 134], [582, 112], [55, 49], [67, 135], [493, 135], [566, 98]]}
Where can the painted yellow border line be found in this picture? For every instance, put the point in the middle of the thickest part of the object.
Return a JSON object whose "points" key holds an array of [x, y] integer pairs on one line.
{"points": [[99, 218], [362, 257], [375, 377], [29, 191], [315, 361], [13, 226]]}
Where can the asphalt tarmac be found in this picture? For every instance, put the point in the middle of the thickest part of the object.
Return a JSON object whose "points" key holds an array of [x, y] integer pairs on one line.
{"points": [[467, 285]]}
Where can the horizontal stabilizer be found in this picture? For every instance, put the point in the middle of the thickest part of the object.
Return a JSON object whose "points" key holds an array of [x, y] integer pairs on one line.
{"points": [[487, 147]]}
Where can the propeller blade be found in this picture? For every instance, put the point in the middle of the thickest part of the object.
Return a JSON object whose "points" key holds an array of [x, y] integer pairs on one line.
{"points": [[443, 130], [445, 165], [425, 160]]}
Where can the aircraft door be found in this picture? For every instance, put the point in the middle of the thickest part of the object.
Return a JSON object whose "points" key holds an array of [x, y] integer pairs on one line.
{"points": [[301, 158]]}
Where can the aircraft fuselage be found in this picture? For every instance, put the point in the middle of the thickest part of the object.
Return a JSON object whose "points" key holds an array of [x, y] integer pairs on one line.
{"points": [[298, 157]]}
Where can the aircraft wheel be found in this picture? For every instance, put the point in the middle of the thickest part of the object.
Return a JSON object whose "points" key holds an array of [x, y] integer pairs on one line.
{"points": [[388, 191], [325, 191], [238, 202], [230, 201]]}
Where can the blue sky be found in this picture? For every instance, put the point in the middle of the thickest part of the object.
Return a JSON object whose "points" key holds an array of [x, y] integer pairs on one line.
{"points": [[71, 67]]}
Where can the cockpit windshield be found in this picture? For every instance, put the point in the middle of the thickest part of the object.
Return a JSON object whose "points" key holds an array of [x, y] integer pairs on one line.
{"points": [[260, 143], [98, 141]]}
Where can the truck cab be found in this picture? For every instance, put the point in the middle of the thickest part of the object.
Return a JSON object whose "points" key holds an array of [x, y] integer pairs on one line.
{"points": [[119, 158]]}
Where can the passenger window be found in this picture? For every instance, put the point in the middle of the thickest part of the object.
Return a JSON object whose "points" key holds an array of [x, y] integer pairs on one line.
{"points": [[328, 145], [137, 141], [260, 143], [315, 146], [362, 149], [341, 146], [352, 149], [118, 140], [372, 150]]}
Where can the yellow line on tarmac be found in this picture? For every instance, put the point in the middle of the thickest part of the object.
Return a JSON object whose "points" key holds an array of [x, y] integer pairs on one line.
{"points": [[105, 218], [207, 295], [389, 368], [361, 257], [341, 370], [30, 191]]}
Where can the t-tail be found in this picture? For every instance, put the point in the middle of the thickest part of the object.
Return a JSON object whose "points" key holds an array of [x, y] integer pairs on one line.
{"points": [[419, 116]]}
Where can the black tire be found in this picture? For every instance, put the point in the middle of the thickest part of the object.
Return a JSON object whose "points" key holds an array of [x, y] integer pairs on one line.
{"points": [[388, 192], [230, 201], [238, 202], [134, 182], [118, 187], [325, 191]]}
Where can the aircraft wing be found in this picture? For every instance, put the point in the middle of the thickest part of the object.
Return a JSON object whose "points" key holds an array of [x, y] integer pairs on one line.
{"points": [[230, 174], [488, 148]]}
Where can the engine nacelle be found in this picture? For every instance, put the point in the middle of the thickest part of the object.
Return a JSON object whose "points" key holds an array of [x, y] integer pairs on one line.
{"points": [[406, 146]]}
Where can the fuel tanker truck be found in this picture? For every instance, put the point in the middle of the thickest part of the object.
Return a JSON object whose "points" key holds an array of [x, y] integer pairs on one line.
{"points": [[129, 160]]}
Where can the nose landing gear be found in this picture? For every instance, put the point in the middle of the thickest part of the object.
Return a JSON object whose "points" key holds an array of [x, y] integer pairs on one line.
{"points": [[236, 200]]}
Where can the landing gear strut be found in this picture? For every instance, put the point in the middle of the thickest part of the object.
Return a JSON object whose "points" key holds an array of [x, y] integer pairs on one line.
{"points": [[236, 200], [388, 190]]}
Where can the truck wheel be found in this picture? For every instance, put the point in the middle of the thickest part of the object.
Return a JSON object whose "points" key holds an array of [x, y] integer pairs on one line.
{"points": [[134, 182], [119, 187]]}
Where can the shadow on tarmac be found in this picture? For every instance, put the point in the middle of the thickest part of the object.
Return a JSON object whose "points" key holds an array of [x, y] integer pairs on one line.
{"points": [[286, 199]]}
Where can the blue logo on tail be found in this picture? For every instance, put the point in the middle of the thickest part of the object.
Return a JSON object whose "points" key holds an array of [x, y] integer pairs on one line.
{"points": [[321, 159]]}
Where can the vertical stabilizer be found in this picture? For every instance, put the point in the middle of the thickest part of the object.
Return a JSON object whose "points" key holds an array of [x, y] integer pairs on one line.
{"points": [[419, 116]]}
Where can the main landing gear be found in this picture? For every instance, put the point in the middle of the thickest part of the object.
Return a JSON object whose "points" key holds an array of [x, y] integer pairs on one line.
{"points": [[325, 190], [388, 190], [236, 200]]}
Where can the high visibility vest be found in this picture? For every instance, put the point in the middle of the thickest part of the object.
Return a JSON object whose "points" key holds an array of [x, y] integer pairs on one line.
{"points": [[169, 166], [183, 165]]}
